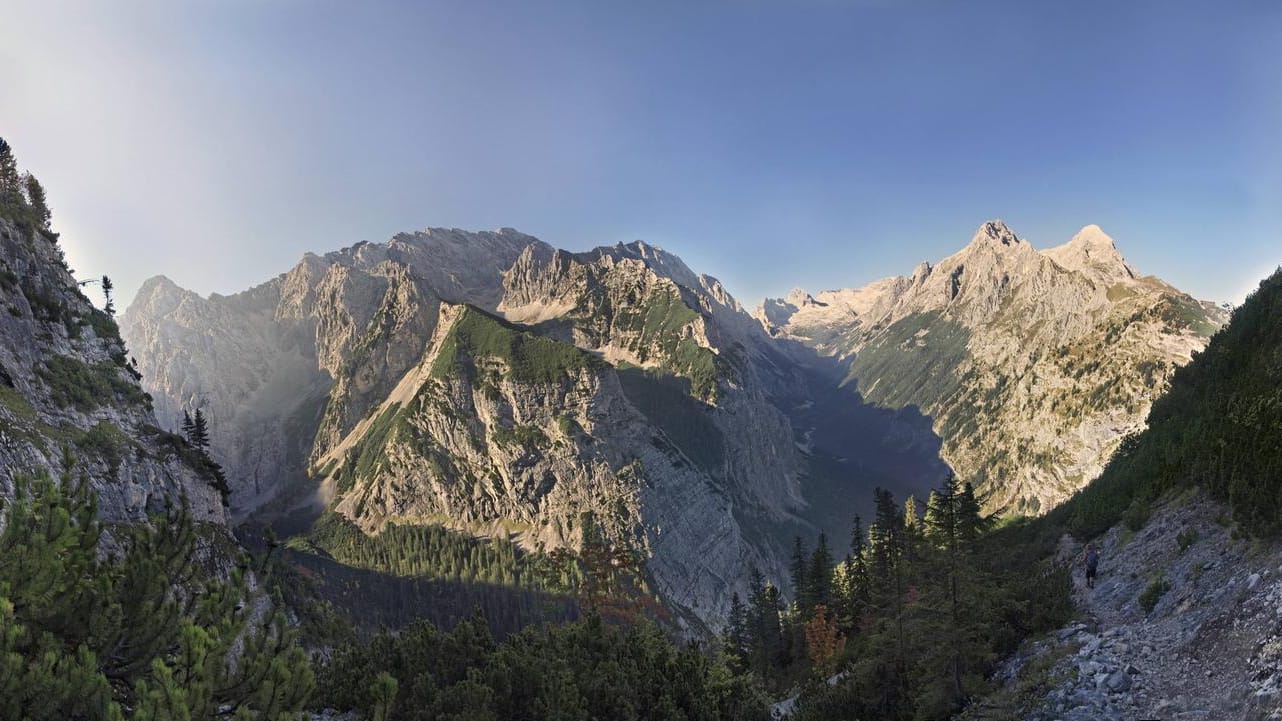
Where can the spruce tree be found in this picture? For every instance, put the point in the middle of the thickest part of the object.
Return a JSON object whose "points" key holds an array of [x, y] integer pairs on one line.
{"points": [[199, 436], [736, 633], [819, 575]]}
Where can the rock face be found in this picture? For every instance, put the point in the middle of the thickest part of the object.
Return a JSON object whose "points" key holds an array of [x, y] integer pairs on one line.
{"points": [[66, 386], [1032, 364]]}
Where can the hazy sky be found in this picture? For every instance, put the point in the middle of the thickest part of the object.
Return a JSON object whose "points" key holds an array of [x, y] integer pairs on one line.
{"points": [[772, 143]]}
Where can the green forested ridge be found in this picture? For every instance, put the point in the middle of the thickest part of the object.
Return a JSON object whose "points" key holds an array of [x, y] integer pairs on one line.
{"points": [[141, 632], [434, 551], [1219, 425]]}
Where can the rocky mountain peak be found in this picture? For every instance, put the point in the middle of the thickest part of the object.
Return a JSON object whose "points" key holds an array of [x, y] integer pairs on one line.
{"points": [[1092, 251], [654, 258], [160, 292], [995, 233], [1092, 235]]}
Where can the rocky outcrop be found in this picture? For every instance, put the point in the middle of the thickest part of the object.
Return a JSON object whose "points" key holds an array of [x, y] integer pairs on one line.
{"points": [[68, 391], [1032, 364]]}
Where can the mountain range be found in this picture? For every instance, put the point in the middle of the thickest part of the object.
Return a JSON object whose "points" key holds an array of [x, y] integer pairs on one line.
{"points": [[494, 385]]}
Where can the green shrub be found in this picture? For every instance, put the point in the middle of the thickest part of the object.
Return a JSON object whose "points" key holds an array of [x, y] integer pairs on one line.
{"points": [[1153, 593], [1137, 515], [1186, 538], [106, 441], [1195, 573]]}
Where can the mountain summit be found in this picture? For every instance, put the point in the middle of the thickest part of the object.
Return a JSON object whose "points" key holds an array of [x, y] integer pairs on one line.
{"points": [[1092, 251], [1032, 364]]}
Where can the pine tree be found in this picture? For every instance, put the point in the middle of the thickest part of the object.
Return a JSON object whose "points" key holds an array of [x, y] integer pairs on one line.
{"points": [[188, 425], [37, 200]]}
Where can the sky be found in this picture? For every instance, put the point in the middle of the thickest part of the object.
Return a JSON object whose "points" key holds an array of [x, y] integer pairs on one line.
{"points": [[770, 143]]}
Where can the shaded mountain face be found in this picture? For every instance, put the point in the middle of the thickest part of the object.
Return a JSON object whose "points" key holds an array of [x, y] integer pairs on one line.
{"points": [[1032, 364], [67, 393], [492, 384]]}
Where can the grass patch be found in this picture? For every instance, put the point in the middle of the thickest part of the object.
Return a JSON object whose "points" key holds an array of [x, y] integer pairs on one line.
{"points": [[529, 358]]}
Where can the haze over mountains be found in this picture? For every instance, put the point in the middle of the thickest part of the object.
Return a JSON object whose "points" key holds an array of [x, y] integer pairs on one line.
{"points": [[497, 386]]}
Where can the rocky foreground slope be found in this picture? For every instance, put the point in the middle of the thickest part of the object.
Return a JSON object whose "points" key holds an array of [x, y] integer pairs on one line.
{"points": [[1185, 622], [69, 392], [1032, 364]]}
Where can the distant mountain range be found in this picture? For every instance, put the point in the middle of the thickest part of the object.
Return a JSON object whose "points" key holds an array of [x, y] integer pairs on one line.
{"points": [[492, 384]]}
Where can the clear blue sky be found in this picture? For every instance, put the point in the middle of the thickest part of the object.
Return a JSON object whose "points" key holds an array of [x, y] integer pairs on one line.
{"points": [[771, 143]]}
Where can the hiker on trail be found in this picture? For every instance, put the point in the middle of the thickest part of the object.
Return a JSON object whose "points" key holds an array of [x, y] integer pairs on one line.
{"points": [[1092, 563]]}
